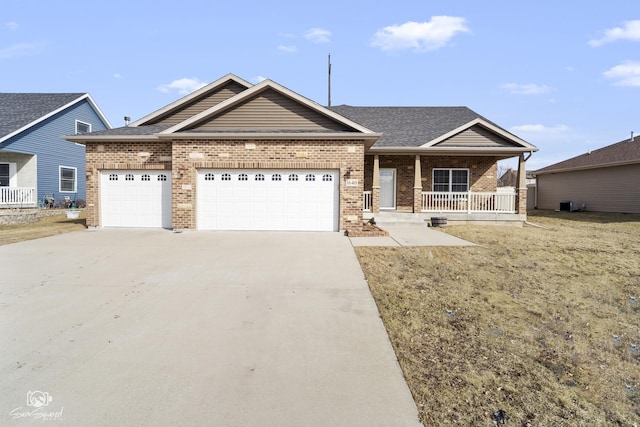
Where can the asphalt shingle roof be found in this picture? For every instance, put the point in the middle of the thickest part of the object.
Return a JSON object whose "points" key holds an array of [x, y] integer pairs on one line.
{"points": [[624, 151], [19, 109], [131, 130], [408, 126]]}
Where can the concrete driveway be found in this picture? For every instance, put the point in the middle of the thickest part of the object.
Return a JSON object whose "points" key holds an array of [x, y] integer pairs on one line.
{"points": [[150, 327]]}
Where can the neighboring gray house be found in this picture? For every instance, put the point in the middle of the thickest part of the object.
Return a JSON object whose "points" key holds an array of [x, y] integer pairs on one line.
{"points": [[605, 180], [34, 159]]}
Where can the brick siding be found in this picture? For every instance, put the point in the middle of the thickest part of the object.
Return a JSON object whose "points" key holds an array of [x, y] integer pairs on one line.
{"points": [[185, 156]]}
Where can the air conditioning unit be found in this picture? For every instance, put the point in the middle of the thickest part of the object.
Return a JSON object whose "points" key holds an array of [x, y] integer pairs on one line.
{"points": [[566, 206]]}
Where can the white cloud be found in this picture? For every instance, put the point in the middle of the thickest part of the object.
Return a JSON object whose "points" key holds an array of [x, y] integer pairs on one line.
{"points": [[287, 48], [258, 79], [539, 129], [630, 31], [525, 89], [20, 49], [420, 36], [625, 74], [117, 76], [183, 86], [318, 35], [11, 25]]}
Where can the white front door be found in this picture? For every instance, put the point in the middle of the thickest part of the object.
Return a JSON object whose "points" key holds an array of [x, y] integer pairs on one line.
{"points": [[387, 188]]}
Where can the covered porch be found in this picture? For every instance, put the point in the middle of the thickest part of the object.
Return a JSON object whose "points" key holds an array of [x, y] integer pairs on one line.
{"points": [[18, 180], [418, 186]]}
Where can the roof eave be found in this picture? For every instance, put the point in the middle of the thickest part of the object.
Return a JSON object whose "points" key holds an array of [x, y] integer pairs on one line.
{"points": [[476, 151], [587, 167], [273, 135], [82, 138]]}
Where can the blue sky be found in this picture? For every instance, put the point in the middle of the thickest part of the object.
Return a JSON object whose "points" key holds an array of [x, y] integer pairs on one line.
{"points": [[561, 75]]}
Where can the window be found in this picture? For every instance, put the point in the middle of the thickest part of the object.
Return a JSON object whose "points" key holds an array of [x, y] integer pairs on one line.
{"points": [[113, 177], [146, 177], [243, 177], [451, 180], [276, 177], [259, 177], [293, 177], [310, 177], [82, 127], [327, 177], [128, 177], [226, 177], [209, 177], [4, 174], [68, 182], [162, 177]]}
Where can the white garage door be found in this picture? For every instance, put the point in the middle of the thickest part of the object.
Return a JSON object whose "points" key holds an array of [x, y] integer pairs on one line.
{"points": [[135, 199], [302, 200]]}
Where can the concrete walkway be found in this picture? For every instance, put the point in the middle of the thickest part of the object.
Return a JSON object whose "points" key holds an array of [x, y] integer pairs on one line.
{"points": [[411, 235], [150, 327]]}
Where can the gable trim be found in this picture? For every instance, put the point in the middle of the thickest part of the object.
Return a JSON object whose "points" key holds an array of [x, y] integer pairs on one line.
{"points": [[254, 90], [58, 110], [478, 121], [188, 98]]}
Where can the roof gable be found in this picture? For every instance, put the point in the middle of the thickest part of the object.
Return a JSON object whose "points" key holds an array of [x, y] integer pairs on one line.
{"points": [[196, 102], [267, 107], [21, 111], [476, 134], [620, 153]]}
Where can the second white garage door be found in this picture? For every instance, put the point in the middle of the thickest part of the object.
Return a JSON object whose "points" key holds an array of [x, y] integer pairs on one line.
{"points": [[300, 200]]}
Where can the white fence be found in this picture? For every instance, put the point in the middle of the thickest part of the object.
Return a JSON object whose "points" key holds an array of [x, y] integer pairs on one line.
{"points": [[366, 201], [469, 202], [17, 197]]}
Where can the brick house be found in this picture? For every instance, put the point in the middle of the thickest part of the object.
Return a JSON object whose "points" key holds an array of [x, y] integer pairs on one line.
{"points": [[237, 156]]}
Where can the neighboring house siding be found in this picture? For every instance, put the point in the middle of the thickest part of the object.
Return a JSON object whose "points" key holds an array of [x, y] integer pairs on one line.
{"points": [[200, 104], [44, 140], [270, 111], [611, 189], [476, 136]]}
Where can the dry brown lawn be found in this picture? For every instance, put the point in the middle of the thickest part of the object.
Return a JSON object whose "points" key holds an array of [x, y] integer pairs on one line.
{"points": [[45, 227], [543, 324]]}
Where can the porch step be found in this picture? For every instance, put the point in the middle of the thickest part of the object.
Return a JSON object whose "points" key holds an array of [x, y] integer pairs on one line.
{"points": [[399, 218]]}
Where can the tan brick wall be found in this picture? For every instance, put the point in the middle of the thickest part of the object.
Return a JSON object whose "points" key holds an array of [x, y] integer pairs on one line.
{"points": [[120, 156], [185, 157]]}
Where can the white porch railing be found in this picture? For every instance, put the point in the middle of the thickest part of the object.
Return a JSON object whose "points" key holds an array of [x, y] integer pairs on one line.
{"points": [[17, 197], [366, 201], [469, 202]]}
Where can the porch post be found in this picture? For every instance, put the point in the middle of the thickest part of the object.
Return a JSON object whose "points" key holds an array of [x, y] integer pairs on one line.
{"points": [[375, 190], [417, 186], [521, 191]]}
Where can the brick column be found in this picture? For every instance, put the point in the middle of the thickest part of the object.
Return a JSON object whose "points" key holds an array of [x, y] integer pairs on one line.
{"points": [[375, 190], [417, 186]]}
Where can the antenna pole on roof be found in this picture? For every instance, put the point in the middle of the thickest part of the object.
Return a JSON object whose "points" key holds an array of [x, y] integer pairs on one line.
{"points": [[631, 137], [329, 82]]}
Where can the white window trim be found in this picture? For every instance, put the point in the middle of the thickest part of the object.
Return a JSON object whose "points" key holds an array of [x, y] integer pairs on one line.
{"points": [[433, 178], [75, 180], [84, 123]]}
